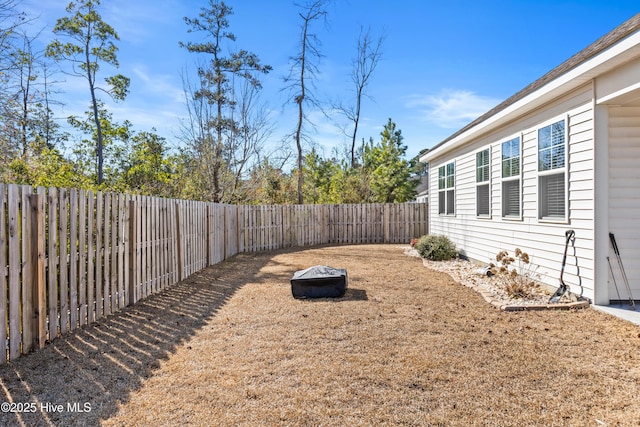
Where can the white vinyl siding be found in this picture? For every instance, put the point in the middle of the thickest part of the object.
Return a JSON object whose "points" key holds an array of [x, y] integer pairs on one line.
{"points": [[624, 197], [481, 238], [483, 186], [552, 182], [511, 172]]}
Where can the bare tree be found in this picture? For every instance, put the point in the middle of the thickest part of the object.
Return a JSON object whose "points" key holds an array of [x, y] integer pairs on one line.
{"points": [[303, 71], [198, 136], [46, 127], [369, 53], [253, 129], [242, 145]]}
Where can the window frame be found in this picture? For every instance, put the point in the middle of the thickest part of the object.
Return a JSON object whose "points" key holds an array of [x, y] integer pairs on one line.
{"points": [[553, 171], [448, 186], [483, 183], [511, 178]]}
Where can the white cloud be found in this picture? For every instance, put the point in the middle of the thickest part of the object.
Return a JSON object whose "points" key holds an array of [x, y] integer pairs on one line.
{"points": [[451, 109], [322, 132], [165, 86]]}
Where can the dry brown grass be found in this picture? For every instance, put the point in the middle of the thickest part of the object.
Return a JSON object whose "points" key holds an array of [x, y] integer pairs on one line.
{"points": [[405, 346]]}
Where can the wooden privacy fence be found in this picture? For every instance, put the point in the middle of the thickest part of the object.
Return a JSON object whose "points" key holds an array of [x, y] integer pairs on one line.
{"points": [[71, 257], [280, 226]]}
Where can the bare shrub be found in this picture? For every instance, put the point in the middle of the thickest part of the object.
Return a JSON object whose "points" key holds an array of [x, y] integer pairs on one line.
{"points": [[517, 274]]}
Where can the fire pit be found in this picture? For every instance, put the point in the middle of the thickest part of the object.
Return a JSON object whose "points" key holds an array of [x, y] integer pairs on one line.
{"points": [[319, 282]]}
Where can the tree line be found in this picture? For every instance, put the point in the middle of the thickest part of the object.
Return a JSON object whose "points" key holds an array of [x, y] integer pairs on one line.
{"points": [[221, 156]]}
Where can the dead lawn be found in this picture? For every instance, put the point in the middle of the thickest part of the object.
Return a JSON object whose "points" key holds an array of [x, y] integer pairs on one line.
{"points": [[405, 346]]}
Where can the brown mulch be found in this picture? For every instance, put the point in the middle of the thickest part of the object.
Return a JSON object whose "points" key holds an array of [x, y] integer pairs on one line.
{"points": [[406, 346]]}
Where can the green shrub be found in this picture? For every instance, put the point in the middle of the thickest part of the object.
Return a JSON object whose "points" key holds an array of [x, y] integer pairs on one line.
{"points": [[436, 248]]}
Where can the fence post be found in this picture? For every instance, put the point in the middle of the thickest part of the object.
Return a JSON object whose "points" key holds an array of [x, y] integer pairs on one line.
{"points": [[36, 202], [133, 248]]}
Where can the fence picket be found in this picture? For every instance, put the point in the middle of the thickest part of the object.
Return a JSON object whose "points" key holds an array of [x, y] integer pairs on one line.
{"points": [[169, 257], [13, 206], [27, 311], [99, 252], [38, 321], [106, 252], [82, 258], [63, 287], [154, 246], [122, 245], [73, 259], [143, 246], [185, 217], [113, 284], [52, 256], [163, 243], [138, 255], [91, 295], [186, 237], [140, 218]]}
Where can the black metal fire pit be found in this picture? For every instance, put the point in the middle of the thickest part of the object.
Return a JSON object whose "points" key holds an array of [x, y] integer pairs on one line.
{"points": [[319, 282]]}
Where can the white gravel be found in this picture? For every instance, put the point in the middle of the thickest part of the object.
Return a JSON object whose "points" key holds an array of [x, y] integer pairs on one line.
{"points": [[469, 274]]}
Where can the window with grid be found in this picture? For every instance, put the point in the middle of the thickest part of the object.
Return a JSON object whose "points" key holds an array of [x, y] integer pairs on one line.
{"points": [[446, 190], [483, 194], [552, 171], [511, 178]]}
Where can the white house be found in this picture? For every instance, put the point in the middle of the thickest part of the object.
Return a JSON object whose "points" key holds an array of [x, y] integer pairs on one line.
{"points": [[563, 153]]}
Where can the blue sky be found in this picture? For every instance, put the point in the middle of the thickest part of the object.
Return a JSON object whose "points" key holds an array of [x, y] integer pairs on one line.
{"points": [[444, 62]]}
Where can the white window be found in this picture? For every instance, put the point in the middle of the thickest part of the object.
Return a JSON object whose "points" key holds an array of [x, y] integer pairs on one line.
{"points": [[552, 184], [511, 178], [483, 189], [446, 189]]}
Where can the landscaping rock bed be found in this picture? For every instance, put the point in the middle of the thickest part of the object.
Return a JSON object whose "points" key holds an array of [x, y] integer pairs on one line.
{"points": [[471, 275]]}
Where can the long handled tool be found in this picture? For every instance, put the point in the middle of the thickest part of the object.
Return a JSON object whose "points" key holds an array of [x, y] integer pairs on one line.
{"points": [[563, 288], [615, 283], [624, 274]]}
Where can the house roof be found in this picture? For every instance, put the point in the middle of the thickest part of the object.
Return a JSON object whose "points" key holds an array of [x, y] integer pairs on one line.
{"points": [[619, 33]]}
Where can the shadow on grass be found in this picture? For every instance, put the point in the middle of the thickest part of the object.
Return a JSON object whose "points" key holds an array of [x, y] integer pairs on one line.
{"points": [[355, 295], [349, 295], [82, 377]]}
